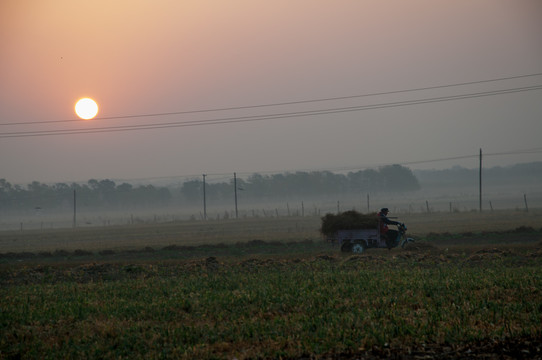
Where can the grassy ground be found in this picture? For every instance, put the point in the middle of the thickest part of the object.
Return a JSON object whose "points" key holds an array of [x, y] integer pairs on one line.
{"points": [[422, 301]]}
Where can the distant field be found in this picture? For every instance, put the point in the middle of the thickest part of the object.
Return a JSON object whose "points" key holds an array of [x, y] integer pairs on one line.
{"points": [[270, 229]]}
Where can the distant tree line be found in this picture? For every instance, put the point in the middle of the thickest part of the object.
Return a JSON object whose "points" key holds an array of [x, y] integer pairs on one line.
{"points": [[257, 187], [300, 185], [457, 176], [94, 194]]}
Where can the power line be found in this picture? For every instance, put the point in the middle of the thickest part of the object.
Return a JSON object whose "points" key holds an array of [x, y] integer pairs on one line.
{"points": [[276, 104], [228, 175], [253, 118], [516, 152], [359, 167]]}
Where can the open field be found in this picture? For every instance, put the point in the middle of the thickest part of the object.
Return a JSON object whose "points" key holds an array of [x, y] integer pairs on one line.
{"points": [[470, 287], [281, 229]]}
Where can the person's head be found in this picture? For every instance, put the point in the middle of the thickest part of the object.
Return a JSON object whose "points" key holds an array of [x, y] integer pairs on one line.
{"points": [[384, 211]]}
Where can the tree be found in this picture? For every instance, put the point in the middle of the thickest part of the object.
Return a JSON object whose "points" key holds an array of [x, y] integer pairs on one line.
{"points": [[192, 190], [257, 185], [368, 180], [125, 195], [398, 178]]}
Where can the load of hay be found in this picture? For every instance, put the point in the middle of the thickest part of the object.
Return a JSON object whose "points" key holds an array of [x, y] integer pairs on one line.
{"points": [[347, 220]]}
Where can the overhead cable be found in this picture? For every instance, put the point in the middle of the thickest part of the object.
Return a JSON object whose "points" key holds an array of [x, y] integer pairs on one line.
{"points": [[252, 118], [277, 104]]}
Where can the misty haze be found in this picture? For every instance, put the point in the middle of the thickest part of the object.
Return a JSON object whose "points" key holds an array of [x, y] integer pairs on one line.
{"points": [[222, 197]]}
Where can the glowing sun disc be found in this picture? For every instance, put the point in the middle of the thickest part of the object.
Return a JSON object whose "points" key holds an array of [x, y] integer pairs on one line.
{"points": [[86, 108]]}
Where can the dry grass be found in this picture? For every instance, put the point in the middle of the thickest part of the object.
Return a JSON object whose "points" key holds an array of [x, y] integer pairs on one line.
{"points": [[282, 229]]}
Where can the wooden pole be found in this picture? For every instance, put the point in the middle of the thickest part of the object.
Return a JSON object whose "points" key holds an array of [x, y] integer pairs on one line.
{"points": [[480, 179], [204, 200], [235, 187], [525, 200], [74, 209]]}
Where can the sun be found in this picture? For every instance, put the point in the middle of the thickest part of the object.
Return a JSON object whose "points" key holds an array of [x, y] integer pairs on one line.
{"points": [[86, 108]]}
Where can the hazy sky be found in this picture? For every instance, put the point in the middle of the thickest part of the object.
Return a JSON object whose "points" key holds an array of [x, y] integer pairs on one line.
{"points": [[157, 57]]}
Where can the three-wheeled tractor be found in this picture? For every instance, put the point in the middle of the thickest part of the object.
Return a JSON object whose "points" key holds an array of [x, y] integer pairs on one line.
{"points": [[358, 240]]}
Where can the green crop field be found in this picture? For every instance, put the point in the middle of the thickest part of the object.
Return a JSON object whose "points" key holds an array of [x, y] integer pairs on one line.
{"points": [[473, 289]]}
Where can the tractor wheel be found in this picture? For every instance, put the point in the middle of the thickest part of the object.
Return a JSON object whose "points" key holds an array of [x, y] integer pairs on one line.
{"points": [[358, 248], [406, 241], [346, 246]]}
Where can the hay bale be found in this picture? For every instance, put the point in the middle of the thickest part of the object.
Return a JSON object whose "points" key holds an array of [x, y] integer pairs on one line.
{"points": [[348, 220]]}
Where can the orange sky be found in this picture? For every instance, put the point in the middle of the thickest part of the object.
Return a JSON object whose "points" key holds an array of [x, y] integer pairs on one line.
{"points": [[142, 57]]}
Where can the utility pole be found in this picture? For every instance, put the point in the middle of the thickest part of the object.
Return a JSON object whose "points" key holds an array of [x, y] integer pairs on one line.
{"points": [[480, 179], [74, 209], [204, 200], [235, 191]]}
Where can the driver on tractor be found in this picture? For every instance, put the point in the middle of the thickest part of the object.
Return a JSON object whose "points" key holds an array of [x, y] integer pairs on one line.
{"points": [[385, 233]]}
